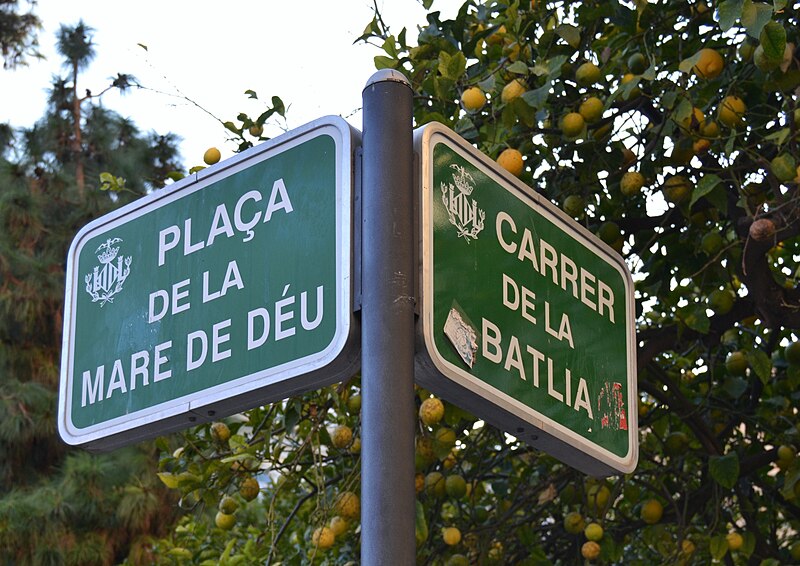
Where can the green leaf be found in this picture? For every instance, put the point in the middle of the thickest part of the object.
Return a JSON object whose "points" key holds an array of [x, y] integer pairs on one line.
{"points": [[420, 524], [779, 137], [755, 16], [487, 85], [518, 67], [688, 64], [718, 545], [729, 12], [570, 34], [695, 317], [779, 5], [735, 386], [761, 364], [390, 47], [773, 40], [537, 97], [232, 127], [724, 469], [251, 94], [705, 186], [384, 62], [169, 480], [451, 67]]}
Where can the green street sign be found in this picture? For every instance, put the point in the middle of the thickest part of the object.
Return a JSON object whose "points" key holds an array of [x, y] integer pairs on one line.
{"points": [[527, 319], [227, 290]]}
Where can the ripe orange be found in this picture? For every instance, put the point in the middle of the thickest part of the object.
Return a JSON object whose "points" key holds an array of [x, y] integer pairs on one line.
{"points": [[731, 111], [249, 488], [348, 505], [473, 99], [587, 74], [590, 550], [572, 124], [212, 156], [323, 538], [631, 183], [591, 109], [431, 410], [342, 436], [677, 189], [451, 536], [512, 90], [709, 65], [652, 511], [511, 160]]}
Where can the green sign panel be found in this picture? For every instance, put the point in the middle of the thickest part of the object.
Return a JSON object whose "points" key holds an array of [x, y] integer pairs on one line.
{"points": [[227, 290], [527, 319]]}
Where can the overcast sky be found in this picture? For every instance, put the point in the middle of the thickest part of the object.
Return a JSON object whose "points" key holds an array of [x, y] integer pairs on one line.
{"points": [[211, 53]]}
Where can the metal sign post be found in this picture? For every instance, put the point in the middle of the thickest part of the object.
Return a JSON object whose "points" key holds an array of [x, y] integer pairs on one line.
{"points": [[387, 323]]}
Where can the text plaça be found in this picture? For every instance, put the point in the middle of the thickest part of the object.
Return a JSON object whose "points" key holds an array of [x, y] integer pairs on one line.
{"points": [[246, 216]]}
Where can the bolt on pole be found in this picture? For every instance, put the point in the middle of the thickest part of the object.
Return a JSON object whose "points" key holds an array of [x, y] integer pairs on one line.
{"points": [[387, 323]]}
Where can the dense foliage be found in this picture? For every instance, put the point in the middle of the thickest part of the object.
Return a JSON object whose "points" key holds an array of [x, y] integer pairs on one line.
{"points": [[60, 506], [18, 30], [668, 128]]}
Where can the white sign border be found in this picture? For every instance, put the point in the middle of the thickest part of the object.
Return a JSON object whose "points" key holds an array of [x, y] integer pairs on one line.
{"points": [[200, 406], [599, 460]]}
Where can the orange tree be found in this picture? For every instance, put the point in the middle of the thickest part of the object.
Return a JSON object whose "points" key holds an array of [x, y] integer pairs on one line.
{"points": [[668, 128]]}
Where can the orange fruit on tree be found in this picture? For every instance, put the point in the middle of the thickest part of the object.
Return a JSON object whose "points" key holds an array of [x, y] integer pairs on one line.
{"points": [[590, 550], [431, 411], [572, 124], [587, 74], [512, 90], [348, 505], [451, 536], [677, 189], [652, 511], [212, 156], [709, 65], [731, 111], [473, 99], [323, 538], [510, 159], [591, 109], [631, 183]]}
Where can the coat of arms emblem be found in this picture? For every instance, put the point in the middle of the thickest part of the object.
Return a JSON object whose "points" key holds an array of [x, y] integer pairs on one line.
{"points": [[106, 279], [462, 211]]}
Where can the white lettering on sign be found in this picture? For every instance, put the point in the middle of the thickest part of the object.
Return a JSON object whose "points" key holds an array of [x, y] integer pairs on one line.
{"points": [[221, 224], [217, 339], [259, 321], [560, 386], [93, 389], [555, 266]]}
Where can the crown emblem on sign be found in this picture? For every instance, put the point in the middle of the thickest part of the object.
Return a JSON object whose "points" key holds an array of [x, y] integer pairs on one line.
{"points": [[109, 253], [462, 179], [107, 279], [462, 211]]}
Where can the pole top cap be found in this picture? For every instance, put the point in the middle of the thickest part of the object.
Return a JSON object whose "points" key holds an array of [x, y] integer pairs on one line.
{"points": [[387, 75]]}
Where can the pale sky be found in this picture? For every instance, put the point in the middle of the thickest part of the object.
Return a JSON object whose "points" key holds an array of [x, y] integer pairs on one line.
{"points": [[212, 52]]}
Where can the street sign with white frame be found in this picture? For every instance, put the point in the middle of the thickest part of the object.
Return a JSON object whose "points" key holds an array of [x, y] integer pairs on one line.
{"points": [[229, 289], [526, 318]]}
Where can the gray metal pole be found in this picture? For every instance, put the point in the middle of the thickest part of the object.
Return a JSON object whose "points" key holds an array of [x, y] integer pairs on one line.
{"points": [[387, 324]]}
